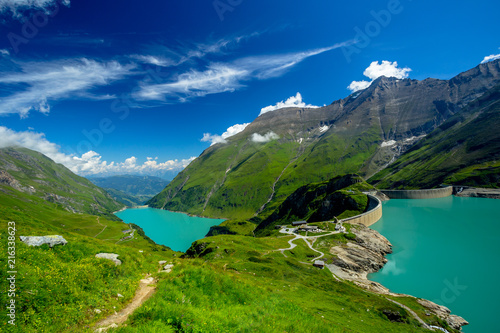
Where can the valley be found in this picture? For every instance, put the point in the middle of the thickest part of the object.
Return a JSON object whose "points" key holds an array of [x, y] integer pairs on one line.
{"points": [[252, 269]]}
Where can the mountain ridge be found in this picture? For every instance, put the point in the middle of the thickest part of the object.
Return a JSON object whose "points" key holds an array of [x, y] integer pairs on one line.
{"points": [[241, 177], [131, 190], [31, 172]]}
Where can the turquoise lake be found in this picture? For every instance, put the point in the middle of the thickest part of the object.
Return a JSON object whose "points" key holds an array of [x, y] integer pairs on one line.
{"points": [[175, 230], [445, 250]]}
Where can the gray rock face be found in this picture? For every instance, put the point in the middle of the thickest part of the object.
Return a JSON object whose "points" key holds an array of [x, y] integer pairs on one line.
{"points": [[110, 256], [455, 322], [40, 240]]}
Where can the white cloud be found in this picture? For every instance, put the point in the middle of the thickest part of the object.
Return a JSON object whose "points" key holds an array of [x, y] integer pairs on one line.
{"points": [[490, 58], [223, 77], [358, 85], [215, 138], [154, 60], [16, 5], [89, 163], [376, 70], [4, 52], [294, 101], [215, 79], [40, 83], [180, 55], [256, 137]]}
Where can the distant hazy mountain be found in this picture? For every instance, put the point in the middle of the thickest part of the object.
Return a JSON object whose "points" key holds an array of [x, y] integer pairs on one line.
{"points": [[283, 150], [130, 189], [35, 174]]}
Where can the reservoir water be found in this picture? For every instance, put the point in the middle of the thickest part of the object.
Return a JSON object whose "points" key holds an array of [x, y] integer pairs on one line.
{"points": [[175, 230], [445, 250]]}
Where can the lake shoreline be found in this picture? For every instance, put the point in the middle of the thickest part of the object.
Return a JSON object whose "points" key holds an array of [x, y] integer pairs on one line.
{"points": [[477, 192], [372, 248], [428, 258], [174, 230]]}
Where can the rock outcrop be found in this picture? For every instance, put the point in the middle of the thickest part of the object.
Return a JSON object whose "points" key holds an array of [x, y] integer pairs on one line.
{"points": [[110, 256], [366, 254], [51, 240], [455, 322], [491, 193]]}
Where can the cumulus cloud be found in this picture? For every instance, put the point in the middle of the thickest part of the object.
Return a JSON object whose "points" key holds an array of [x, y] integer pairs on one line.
{"points": [[358, 85], [490, 58], [376, 70], [219, 77], [294, 101], [38, 83], [4, 52], [256, 137], [215, 138], [89, 163]]}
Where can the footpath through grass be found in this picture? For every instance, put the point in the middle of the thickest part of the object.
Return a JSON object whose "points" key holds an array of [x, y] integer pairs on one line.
{"points": [[241, 284], [65, 288]]}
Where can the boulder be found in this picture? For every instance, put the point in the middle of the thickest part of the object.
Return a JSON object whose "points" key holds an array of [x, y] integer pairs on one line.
{"points": [[148, 280], [40, 240], [110, 256]]}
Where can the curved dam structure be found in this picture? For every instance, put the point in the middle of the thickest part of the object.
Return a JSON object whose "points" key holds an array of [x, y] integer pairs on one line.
{"points": [[419, 194], [368, 218]]}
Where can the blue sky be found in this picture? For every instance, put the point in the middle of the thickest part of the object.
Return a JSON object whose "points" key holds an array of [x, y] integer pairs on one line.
{"points": [[145, 86]]}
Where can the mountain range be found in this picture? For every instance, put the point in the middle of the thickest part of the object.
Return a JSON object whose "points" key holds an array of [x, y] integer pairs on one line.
{"points": [[366, 133], [131, 190]]}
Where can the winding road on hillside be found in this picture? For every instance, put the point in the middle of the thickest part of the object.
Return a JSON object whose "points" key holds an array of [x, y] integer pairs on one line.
{"points": [[290, 231]]}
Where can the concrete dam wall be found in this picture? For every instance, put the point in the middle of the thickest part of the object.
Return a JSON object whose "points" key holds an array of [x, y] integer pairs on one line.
{"points": [[419, 194], [368, 218]]}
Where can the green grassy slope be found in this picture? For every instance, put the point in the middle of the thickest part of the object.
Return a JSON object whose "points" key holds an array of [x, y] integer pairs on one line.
{"points": [[58, 289], [465, 150], [219, 179], [339, 197], [127, 199], [32, 172], [224, 283], [231, 283], [236, 180]]}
